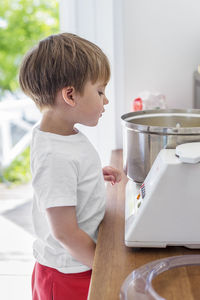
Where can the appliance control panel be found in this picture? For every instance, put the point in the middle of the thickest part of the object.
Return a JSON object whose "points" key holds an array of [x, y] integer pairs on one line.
{"points": [[142, 190]]}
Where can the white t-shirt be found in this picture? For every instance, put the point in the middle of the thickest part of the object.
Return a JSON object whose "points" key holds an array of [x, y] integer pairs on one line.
{"points": [[66, 171]]}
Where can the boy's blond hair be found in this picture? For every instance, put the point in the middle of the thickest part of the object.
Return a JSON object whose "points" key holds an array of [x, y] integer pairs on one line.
{"points": [[59, 61]]}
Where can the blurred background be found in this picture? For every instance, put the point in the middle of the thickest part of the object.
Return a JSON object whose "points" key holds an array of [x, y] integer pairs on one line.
{"points": [[22, 24]]}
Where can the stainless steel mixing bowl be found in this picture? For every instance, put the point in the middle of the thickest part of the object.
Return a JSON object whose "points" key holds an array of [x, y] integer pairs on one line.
{"points": [[145, 133]]}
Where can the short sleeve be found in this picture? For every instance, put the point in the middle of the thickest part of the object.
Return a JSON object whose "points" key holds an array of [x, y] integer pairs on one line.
{"points": [[55, 181]]}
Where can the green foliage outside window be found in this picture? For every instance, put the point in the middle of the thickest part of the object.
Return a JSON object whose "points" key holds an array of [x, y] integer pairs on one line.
{"points": [[22, 24], [19, 170]]}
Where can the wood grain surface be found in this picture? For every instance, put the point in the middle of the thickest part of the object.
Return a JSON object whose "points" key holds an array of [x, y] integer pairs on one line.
{"points": [[114, 261]]}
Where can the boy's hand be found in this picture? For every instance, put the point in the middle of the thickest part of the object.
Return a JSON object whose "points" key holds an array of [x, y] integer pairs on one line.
{"points": [[111, 174]]}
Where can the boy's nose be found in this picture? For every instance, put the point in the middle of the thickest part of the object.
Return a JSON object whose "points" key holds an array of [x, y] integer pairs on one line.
{"points": [[105, 101]]}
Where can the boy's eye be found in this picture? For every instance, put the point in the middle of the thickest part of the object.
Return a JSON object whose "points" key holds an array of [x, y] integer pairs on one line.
{"points": [[100, 93]]}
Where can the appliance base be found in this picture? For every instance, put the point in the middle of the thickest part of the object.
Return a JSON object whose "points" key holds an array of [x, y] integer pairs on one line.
{"points": [[140, 244]]}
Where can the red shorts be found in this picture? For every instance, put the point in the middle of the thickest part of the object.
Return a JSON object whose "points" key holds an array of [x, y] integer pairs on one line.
{"points": [[48, 284]]}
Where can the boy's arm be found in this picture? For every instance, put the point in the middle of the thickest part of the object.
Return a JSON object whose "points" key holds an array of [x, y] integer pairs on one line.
{"points": [[65, 229]]}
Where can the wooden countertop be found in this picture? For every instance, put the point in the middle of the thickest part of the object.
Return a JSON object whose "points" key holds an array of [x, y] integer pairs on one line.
{"points": [[114, 261]]}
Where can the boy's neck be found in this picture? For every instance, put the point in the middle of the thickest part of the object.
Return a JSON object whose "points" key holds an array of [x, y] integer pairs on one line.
{"points": [[51, 123]]}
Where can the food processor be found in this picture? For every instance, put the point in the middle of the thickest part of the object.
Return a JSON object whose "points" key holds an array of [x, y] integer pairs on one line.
{"points": [[161, 157], [162, 161]]}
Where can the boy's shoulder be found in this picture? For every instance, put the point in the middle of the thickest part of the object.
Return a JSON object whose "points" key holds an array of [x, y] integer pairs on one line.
{"points": [[48, 145], [52, 139]]}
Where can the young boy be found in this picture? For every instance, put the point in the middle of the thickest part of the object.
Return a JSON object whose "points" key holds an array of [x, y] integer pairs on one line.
{"points": [[66, 76]]}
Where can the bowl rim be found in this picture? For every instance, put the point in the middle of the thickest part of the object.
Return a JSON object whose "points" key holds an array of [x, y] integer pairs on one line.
{"points": [[161, 130]]}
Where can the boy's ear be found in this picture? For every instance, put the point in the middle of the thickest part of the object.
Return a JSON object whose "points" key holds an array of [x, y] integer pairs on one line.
{"points": [[68, 94]]}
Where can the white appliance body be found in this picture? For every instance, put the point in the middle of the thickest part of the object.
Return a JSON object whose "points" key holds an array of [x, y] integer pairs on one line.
{"points": [[165, 210]]}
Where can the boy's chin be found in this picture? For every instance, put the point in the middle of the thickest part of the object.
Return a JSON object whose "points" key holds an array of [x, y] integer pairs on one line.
{"points": [[91, 124]]}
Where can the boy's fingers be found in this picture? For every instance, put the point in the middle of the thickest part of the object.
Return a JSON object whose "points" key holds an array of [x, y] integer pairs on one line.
{"points": [[110, 171], [109, 178]]}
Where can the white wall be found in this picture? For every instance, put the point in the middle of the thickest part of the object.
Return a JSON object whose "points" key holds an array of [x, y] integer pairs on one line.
{"points": [[162, 48]]}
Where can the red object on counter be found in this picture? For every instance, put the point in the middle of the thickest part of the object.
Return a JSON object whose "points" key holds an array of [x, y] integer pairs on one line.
{"points": [[137, 104]]}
